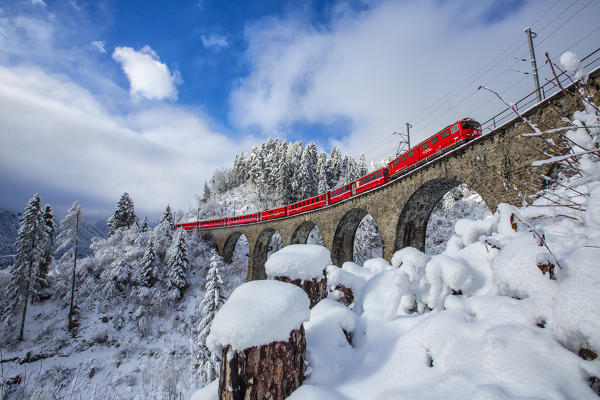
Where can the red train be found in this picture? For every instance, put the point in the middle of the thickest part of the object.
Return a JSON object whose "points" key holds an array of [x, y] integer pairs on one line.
{"points": [[459, 132]]}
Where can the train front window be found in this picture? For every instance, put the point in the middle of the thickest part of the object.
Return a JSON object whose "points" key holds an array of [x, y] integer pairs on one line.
{"points": [[469, 124]]}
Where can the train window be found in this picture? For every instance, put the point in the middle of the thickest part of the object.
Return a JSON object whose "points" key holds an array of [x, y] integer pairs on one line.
{"points": [[368, 179], [379, 174], [454, 129], [424, 145], [362, 181], [435, 139], [411, 154], [397, 161], [445, 134], [403, 158]]}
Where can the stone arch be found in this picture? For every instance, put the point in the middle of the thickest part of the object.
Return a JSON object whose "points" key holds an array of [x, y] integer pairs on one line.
{"points": [[259, 256], [301, 233], [229, 246], [342, 248], [412, 224]]}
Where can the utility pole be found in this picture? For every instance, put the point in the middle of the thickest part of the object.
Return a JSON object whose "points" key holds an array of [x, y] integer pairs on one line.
{"points": [[404, 144], [530, 36]]}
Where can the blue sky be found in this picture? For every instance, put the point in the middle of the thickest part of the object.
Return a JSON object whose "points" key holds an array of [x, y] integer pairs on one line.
{"points": [[102, 97]]}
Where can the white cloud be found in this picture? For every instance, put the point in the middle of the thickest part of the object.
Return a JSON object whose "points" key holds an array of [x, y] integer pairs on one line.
{"points": [[160, 155], [148, 77], [40, 3], [98, 45], [217, 42], [381, 67]]}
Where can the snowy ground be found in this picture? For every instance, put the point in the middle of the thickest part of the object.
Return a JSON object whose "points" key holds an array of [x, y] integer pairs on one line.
{"points": [[479, 321]]}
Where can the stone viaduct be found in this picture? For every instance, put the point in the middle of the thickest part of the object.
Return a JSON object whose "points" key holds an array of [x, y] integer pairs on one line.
{"points": [[496, 165]]}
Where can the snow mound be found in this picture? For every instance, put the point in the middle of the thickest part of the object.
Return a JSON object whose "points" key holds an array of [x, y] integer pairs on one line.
{"points": [[298, 261], [257, 313]]}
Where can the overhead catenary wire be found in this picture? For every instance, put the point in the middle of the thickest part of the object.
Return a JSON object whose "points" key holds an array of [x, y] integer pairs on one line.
{"points": [[564, 23], [432, 118], [426, 115]]}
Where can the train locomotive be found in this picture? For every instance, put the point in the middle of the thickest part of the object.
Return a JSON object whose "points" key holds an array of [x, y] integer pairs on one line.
{"points": [[445, 140]]}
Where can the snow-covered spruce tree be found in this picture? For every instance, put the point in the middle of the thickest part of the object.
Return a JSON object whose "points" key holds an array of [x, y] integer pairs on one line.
{"points": [[124, 215], [283, 190], [178, 265], [25, 269], [333, 167], [148, 268], [205, 193], [206, 364], [168, 217], [362, 166], [307, 175], [322, 186], [144, 226], [49, 228], [163, 237], [68, 239]]}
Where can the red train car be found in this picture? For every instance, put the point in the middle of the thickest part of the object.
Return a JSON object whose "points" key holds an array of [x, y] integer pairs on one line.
{"points": [[308, 204], [374, 179], [461, 130], [187, 225], [243, 219], [340, 193], [210, 224], [404, 161], [274, 213]]}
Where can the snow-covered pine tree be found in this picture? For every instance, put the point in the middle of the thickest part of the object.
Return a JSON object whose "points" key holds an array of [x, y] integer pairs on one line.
{"points": [[322, 186], [344, 171], [68, 239], [333, 167], [163, 237], [271, 167], [25, 269], [205, 193], [352, 172], [362, 166], [177, 266], [307, 175], [47, 258], [294, 157], [124, 215], [207, 363], [167, 217], [144, 226], [148, 271]]}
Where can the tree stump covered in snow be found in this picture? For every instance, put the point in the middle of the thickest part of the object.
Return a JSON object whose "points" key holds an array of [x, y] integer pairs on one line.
{"points": [[270, 371], [260, 334], [302, 265], [316, 289]]}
